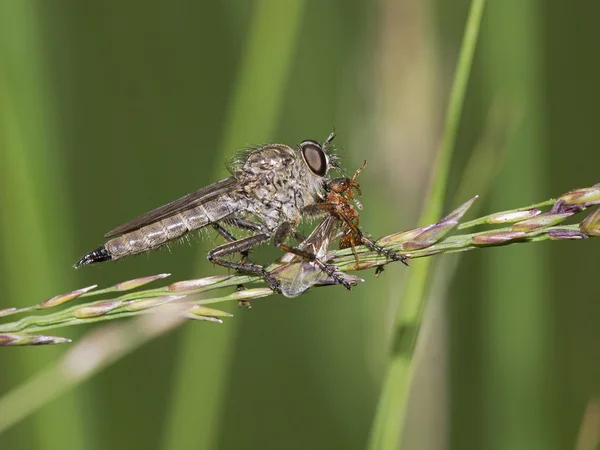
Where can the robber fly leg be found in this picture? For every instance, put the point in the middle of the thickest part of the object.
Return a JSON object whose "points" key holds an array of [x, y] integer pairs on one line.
{"points": [[230, 238], [217, 255], [286, 229], [246, 224], [370, 243], [299, 237]]}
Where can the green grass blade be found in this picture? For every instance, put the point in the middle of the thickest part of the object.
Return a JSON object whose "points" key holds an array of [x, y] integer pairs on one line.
{"points": [[35, 238], [517, 331], [386, 432]]}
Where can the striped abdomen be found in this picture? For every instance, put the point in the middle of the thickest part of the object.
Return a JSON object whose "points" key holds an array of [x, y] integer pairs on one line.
{"points": [[158, 233]]}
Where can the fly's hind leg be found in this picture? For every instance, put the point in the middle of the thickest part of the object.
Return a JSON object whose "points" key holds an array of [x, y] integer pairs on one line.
{"points": [[217, 255], [231, 238], [285, 230], [370, 243]]}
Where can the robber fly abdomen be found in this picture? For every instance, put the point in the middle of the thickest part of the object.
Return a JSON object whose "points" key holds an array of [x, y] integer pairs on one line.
{"points": [[156, 234]]}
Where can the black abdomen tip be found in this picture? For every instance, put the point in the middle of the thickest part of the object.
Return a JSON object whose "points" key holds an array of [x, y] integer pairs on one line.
{"points": [[98, 255]]}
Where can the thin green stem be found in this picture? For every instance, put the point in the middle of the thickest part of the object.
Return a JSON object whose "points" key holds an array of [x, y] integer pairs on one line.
{"points": [[386, 432]]}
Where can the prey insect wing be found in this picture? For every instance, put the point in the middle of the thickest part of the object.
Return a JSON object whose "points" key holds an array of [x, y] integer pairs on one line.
{"points": [[295, 274]]}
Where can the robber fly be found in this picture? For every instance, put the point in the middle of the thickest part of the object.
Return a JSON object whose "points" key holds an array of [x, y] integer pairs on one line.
{"points": [[271, 188], [295, 274]]}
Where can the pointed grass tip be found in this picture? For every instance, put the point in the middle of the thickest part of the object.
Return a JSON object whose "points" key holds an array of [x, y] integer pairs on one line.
{"points": [[96, 309], [200, 312], [148, 303], [512, 216], [64, 298], [566, 235], [584, 196], [591, 224], [137, 282], [497, 237], [24, 339], [7, 311], [190, 285], [542, 221]]}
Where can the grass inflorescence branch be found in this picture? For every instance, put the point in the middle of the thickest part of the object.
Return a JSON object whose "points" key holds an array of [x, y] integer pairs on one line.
{"points": [[521, 225]]}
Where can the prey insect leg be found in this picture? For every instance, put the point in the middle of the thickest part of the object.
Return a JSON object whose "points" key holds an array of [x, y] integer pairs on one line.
{"points": [[283, 231]]}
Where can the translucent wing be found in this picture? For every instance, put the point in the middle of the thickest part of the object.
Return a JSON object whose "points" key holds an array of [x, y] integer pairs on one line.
{"points": [[296, 274], [188, 201]]}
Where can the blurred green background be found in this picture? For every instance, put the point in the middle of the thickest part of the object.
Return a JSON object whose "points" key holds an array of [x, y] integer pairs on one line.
{"points": [[110, 109]]}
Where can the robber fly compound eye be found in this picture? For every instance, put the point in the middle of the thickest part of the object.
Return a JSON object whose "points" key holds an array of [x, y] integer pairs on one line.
{"points": [[315, 157]]}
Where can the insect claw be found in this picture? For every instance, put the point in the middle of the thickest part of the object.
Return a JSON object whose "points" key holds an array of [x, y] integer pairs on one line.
{"points": [[347, 285], [403, 259]]}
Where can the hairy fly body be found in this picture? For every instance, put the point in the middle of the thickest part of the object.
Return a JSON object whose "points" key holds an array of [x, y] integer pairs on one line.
{"points": [[271, 188]]}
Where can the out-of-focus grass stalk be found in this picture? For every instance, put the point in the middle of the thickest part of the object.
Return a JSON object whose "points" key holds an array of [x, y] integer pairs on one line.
{"points": [[35, 236], [258, 91], [89, 356], [518, 355], [386, 430]]}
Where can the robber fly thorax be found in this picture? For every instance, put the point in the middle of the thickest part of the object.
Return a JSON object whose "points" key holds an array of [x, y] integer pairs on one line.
{"points": [[271, 188]]}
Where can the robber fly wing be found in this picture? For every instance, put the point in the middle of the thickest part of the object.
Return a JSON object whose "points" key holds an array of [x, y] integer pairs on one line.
{"points": [[298, 274], [188, 201]]}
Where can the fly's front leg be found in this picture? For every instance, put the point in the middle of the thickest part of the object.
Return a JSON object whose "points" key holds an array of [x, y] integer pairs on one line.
{"points": [[217, 255], [370, 243], [332, 208], [286, 229]]}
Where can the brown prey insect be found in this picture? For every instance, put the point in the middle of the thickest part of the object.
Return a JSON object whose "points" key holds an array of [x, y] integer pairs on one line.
{"points": [[295, 275]]}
